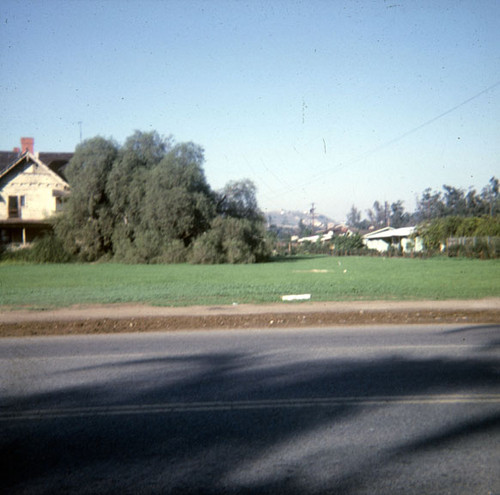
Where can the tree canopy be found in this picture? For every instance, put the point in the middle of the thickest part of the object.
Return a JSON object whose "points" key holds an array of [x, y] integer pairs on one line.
{"points": [[149, 201], [86, 227], [451, 201], [238, 200]]}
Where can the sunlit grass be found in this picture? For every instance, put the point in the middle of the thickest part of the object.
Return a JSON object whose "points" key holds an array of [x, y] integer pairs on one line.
{"points": [[325, 278]]}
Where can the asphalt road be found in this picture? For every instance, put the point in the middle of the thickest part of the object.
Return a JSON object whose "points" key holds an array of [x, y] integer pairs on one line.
{"points": [[364, 410]]}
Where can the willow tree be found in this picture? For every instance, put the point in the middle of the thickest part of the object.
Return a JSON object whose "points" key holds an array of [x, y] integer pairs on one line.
{"points": [[86, 226], [126, 188], [237, 234], [149, 201], [178, 205]]}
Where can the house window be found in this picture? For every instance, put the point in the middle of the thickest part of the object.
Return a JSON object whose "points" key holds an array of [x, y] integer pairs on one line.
{"points": [[14, 207]]}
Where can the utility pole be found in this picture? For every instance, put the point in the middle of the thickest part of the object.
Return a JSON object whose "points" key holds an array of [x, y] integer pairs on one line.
{"points": [[312, 211], [80, 125]]}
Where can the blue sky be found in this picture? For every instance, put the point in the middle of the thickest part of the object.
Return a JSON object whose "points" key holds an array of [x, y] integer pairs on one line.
{"points": [[332, 102]]}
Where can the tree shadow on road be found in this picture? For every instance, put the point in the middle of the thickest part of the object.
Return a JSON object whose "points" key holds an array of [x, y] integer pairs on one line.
{"points": [[475, 331], [272, 435]]}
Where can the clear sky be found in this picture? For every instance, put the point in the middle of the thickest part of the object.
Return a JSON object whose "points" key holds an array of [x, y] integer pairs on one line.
{"points": [[334, 102]]}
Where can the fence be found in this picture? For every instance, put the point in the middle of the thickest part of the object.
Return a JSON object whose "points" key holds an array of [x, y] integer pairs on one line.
{"points": [[474, 247]]}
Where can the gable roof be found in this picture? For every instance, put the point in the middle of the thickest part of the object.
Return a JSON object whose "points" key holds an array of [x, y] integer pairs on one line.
{"points": [[54, 160], [7, 158], [26, 157], [389, 232]]}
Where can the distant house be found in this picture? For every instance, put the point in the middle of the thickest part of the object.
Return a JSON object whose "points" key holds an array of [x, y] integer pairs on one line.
{"points": [[32, 188], [339, 230], [403, 239], [334, 231]]}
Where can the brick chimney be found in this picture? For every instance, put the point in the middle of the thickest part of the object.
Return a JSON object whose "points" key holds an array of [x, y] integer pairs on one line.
{"points": [[27, 144]]}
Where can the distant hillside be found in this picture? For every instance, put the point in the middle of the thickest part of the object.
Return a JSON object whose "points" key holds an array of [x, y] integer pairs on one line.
{"points": [[291, 219]]}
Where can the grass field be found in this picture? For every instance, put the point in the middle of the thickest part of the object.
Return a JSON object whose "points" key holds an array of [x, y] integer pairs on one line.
{"points": [[325, 278]]}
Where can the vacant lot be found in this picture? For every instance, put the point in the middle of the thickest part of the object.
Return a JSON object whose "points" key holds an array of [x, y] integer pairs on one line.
{"points": [[325, 278]]}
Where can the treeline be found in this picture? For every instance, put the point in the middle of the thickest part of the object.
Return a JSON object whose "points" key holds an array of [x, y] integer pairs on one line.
{"points": [[148, 201], [451, 201], [464, 236]]}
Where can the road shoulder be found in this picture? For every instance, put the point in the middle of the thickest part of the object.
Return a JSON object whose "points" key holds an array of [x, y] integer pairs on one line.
{"points": [[119, 318]]}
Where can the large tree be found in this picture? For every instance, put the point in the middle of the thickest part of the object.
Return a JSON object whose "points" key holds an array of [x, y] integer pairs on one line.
{"points": [[237, 234], [398, 216], [238, 199], [149, 200], [126, 188], [491, 197], [430, 205], [178, 203], [454, 201], [379, 214], [86, 227], [354, 217]]}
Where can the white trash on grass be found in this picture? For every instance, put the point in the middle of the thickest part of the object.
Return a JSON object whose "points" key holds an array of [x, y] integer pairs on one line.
{"points": [[296, 297]]}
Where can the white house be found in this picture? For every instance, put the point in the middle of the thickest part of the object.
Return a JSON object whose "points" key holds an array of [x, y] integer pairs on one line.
{"points": [[31, 191], [403, 239], [336, 230]]}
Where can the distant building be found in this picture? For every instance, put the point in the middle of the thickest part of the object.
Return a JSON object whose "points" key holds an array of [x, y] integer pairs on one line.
{"points": [[403, 239], [334, 231], [32, 188]]}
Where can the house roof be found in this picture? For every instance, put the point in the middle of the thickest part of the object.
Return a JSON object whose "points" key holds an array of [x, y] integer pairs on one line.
{"points": [[7, 158], [388, 232], [55, 161], [29, 157]]}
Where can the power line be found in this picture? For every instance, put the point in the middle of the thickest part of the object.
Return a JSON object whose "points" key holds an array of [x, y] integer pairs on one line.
{"points": [[389, 143], [431, 121]]}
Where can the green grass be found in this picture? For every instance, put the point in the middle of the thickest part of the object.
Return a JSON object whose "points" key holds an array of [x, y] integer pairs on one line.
{"points": [[325, 278]]}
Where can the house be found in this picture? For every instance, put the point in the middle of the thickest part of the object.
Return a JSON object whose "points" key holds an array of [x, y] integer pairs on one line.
{"points": [[32, 188], [403, 239], [334, 231]]}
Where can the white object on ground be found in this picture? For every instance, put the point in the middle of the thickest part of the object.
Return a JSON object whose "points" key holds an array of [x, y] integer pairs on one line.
{"points": [[296, 297]]}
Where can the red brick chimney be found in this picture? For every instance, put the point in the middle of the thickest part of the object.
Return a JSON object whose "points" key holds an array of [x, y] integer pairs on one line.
{"points": [[27, 144]]}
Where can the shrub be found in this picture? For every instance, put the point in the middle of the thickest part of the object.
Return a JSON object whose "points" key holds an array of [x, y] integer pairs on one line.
{"points": [[173, 252], [474, 247], [207, 249], [349, 245], [46, 249], [49, 249], [478, 235], [231, 240]]}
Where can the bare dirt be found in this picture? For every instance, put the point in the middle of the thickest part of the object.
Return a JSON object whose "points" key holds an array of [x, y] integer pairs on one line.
{"points": [[122, 318]]}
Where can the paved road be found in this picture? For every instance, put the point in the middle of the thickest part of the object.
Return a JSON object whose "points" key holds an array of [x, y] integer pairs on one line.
{"points": [[347, 410]]}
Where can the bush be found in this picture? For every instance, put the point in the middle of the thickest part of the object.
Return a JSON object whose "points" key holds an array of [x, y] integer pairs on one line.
{"points": [[473, 237], [173, 252], [207, 249], [16, 255], [231, 240], [437, 231], [308, 247], [46, 249], [348, 245], [49, 249], [474, 247]]}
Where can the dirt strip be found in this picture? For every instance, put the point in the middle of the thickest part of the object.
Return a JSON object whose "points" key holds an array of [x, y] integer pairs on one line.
{"points": [[121, 318]]}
